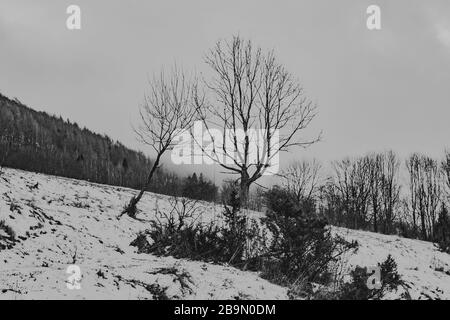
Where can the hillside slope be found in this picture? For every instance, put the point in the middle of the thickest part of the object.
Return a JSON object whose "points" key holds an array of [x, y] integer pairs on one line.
{"points": [[61, 222], [424, 268]]}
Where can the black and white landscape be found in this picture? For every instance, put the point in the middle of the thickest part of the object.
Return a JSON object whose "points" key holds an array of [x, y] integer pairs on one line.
{"points": [[247, 150]]}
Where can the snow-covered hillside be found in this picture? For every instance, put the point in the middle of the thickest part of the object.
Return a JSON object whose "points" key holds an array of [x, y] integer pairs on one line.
{"points": [[424, 268], [62, 222]]}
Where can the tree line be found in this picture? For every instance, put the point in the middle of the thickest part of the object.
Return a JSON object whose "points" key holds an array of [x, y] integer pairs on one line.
{"points": [[378, 192]]}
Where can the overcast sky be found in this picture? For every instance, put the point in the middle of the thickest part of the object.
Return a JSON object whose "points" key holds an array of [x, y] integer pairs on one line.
{"points": [[376, 90]]}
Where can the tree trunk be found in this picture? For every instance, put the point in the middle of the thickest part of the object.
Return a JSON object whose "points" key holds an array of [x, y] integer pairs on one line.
{"points": [[375, 221], [424, 230], [244, 189], [131, 208]]}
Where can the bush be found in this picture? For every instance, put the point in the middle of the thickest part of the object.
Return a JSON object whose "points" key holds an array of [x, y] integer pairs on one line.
{"points": [[442, 230], [235, 230], [196, 242], [180, 234], [358, 289], [141, 243], [8, 230], [228, 187], [6, 242], [295, 249], [198, 188], [302, 247]]}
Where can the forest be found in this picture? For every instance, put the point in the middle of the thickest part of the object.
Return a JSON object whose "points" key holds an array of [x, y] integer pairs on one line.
{"points": [[39, 142]]}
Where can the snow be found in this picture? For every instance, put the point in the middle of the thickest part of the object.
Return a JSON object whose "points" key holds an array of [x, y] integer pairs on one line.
{"points": [[64, 222], [424, 268], [68, 222]]}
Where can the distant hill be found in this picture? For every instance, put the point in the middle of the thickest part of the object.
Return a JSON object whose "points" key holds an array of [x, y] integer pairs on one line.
{"points": [[36, 141]]}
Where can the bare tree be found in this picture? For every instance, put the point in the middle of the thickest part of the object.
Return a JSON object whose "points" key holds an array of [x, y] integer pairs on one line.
{"points": [[368, 191], [425, 192], [183, 212], [251, 90], [412, 164], [302, 179], [390, 189], [352, 183], [433, 193], [330, 202], [375, 174], [445, 166], [167, 111]]}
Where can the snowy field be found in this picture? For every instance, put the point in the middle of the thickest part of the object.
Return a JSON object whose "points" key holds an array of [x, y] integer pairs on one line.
{"points": [[62, 222]]}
